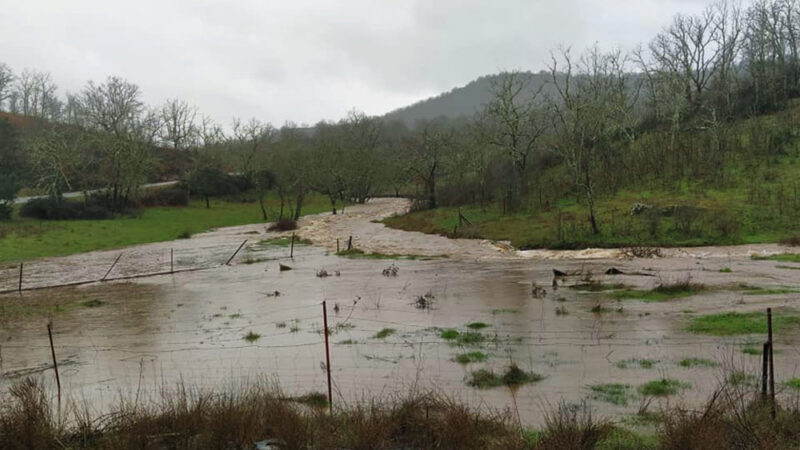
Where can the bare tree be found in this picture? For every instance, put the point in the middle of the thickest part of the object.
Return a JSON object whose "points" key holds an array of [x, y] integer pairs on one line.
{"points": [[25, 88], [428, 151], [113, 106], [591, 111], [211, 133], [178, 124], [6, 83], [515, 122]]}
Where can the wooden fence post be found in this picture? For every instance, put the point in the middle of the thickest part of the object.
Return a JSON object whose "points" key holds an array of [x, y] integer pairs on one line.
{"points": [[771, 363], [327, 355], [112, 267], [55, 363], [291, 252], [235, 253], [19, 287]]}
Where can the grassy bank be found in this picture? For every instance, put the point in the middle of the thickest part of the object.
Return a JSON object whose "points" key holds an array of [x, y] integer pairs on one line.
{"points": [[689, 216], [261, 416], [22, 239]]}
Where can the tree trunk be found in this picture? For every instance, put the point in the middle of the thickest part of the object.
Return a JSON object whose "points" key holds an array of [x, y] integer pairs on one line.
{"points": [[590, 201], [263, 210], [333, 204], [299, 205], [208, 206]]}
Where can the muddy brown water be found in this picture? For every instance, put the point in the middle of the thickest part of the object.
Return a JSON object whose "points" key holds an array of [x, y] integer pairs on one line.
{"points": [[142, 334]]}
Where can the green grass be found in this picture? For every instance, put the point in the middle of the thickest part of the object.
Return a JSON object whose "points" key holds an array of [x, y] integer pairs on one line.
{"points": [[313, 399], [697, 362], [742, 379], [733, 323], [793, 383], [769, 291], [384, 333], [725, 270], [621, 439], [477, 325], [356, 253], [251, 337], [783, 257], [751, 350], [615, 393], [23, 239], [563, 223], [636, 363], [660, 293], [663, 387], [514, 376], [471, 357], [448, 334], [504, 311]]}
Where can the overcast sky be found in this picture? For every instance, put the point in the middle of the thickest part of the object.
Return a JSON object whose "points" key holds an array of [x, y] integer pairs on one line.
{"points": [[304, 61]]}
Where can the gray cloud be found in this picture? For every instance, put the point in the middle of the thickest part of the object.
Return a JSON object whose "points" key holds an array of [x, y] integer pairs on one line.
{"points": [[309, 60]]}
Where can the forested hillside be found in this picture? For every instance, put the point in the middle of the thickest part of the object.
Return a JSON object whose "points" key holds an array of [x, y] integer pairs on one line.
{"points": [[690, 139]]}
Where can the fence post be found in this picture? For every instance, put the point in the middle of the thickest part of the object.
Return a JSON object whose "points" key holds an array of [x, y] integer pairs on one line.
{"points": [[327, 355], [350, 243], [337, 245], [771, 363], [55, 363], [112, 267], [171, 260], [764, 371], [235, 253], [291, 252], [19, 287]]}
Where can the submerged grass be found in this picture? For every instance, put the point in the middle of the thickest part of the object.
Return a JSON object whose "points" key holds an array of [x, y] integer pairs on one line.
{"points": [[640, 363], [384, 333], [782, 257], [513, 376], [697, 362], [471, 357], [734, 323], [663, 387], [662, 292], [355, 253], [615, 393]]}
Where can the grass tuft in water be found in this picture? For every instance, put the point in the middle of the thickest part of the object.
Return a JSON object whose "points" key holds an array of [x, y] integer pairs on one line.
{"points": [[251, 337], [663, 387], [697, 362], [384, 333], [614, 393], [471, 357]]}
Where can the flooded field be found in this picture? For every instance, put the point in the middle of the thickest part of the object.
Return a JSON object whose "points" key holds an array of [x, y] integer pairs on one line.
{"points": [[396, 324]]}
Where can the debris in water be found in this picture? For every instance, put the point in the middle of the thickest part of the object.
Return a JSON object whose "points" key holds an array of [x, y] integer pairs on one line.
{"points": [[322, 273], [391, 271], [558, 273], [273, 294], [537, 291], [424, 301], [614, 271], [284, 267]]}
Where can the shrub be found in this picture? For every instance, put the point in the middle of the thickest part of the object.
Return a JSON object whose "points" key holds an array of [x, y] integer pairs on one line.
{"points": [[283, 225], [171, 196], [5, 211], [54, 209]]}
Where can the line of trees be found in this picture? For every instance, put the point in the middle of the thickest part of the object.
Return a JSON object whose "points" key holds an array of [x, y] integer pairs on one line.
{"points": [[595, 122]]}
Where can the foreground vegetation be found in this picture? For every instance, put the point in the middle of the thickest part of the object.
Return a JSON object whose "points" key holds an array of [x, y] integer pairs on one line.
{"points": [[260, 414], [22, 239]]}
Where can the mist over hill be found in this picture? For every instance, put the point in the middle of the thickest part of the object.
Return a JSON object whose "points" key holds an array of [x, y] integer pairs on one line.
{"points": [[464, 101]]}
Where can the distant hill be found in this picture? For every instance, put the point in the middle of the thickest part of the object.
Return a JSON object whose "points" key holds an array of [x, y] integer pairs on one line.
{"points": [[462, 101]]}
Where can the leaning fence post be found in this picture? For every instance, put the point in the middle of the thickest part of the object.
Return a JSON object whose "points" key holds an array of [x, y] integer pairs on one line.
{"points": [[112, 267], [19, 287], [337, 245], [55, 363], [771, 363], [327, 355], [350, 243], [235, 253]]}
